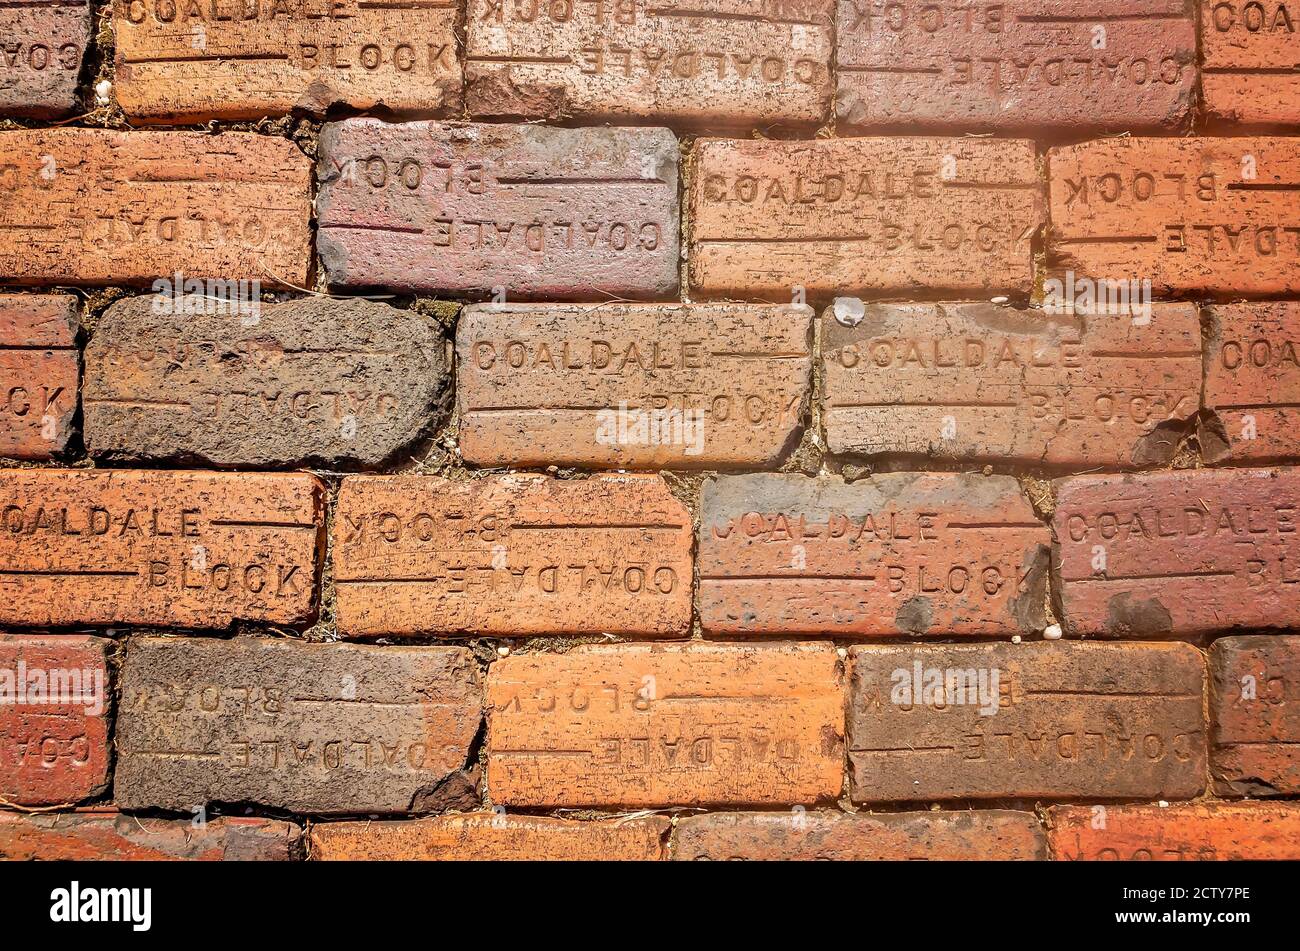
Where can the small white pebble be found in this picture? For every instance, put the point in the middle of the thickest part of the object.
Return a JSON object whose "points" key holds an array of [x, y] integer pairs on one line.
{"points": [[1015, 638], [1000, 299], [1162, 804], [1052, 632], [842, 653], [102, 90], [848, 311], [503, 651]]}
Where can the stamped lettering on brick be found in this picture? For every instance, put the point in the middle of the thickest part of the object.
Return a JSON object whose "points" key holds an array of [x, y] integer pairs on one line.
{"points": [[107, 835], [42, 52], [1248, 69], [1180, 832], [39, 370], [1255, 711]]}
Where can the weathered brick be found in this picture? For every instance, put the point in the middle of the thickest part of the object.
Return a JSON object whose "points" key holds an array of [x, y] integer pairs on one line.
{"points": [[44, 46], [39, 369], [220, 62], [631, 385], [318, 728], [1252, 382], [1192, 215], [979, 381], [512, 555], [849, 215], [533, 212], [92, 206], [1255, 716], [54, 705], [106, 835], [1125, 64], [1178, 553], [1180, 832], [190, 549], [932, 553], [1062, 720], [666, 724], [1248, 58], [992, 834], [491, 837], [725, 63], [313, 380]]}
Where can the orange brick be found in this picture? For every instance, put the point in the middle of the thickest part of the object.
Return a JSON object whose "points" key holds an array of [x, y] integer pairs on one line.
{"points": [[666, 724], [1248, 57], [1255, 712], [91, 206], [512, 555], [1181, 832], [44, 47], [191, 549], [106, 835], [491, 837], [39, 369]]}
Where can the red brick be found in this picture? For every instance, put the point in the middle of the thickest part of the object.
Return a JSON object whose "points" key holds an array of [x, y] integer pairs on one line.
{"points": [[1248, 58], [105, 835], [39, 370], [939, 554], [1192, 215], [666, 724], [1178, 553], [528, 211], [655, 385], [1181, 832], [978, 381], [850, 215], [92, 206], [1094, 721], [1255, 712], [191, 549], [55, 695], [1125, 64], [44, 48], [512, 555]]}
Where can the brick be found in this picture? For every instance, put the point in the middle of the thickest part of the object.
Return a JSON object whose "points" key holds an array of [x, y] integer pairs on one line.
{"points": [[512, 555], [92, 206], [320, 728], [666, 725], [534, 212], [849, 215], [1248, 57], [106, 835], [1063, 720], [39, 370], [54, 698], [898, 554], [491, 837], [1026, 64], [1181, 832], [1252, 382], [312, 381], [189, 549], [726, 63], [309, 57], [1177, 553], [44, 47], [987, 835], [1192, 215], [1255, 716], [632, 385], [979, 381]]}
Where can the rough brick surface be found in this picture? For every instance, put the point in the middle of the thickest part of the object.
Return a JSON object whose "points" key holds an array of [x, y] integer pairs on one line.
{"points": [[898, 554], [43, 49], [528, 211], [90, 206], [1122, 65], [1178, 553], [313, 380], [716, 63], [1066, 720], [315, 728], [512, 555], [105, 835], [1192, 215], [1248, 59], [1180, 832], [632, 386], [849, 215], [55, 695], [213, 62], [833, 836], [666, 724], [984, 381], [491, 837], [1255, 712], [39, 369], [191, 549], [1252, 382]]}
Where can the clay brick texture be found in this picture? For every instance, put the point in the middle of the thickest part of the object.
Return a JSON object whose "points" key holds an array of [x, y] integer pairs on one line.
{"points": [[44, 46], [1255, 706], [39, 373], [1177, 833], [1248, 54], [106, 835]]}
